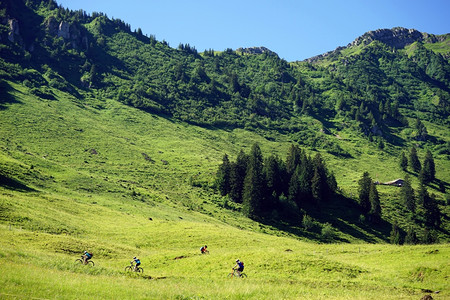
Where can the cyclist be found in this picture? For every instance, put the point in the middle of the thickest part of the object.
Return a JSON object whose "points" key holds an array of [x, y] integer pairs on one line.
{"points": [[204, 249], [239, 267], [86, 256], [137, 263]]}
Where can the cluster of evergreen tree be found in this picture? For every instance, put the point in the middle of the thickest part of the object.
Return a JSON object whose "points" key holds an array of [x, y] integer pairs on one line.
{"points": [[425, 171], [424, 215], [420, 207], [267, 185], [368, 198]]}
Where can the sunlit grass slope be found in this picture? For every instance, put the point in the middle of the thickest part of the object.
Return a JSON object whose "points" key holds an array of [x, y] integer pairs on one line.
{"points": [[99, 176]]}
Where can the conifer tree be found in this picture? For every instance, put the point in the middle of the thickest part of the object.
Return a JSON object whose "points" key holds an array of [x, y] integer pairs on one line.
{"points": [[422, 193], [429, 169], [427, 237], [407, 195], [319, 187], [253, 184], [238, 171], [374, 198], [395, 236], [432, 212], [332, 183], [411, 237], [293, 158], [273, 178], [223, 176], [403, 162], [364, 191], [294, 188], [414, 161]]}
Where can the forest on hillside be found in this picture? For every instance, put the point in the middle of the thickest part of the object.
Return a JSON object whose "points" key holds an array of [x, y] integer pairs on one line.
{"points": [[272, 189]]}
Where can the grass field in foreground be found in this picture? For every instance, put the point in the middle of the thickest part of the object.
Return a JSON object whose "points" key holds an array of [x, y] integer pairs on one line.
{"points": [[40, 265]]}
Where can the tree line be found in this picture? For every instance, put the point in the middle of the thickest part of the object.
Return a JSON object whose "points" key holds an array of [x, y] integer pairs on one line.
{"points": [[268, 186]]}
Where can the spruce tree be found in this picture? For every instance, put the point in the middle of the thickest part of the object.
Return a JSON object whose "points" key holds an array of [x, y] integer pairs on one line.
{"points": [[273, 174], [238, 171], [319, 182], [253, 184], [403, 162], [429, 169], [411, 237], [407, 195], [432, 212], [293, 158], [395, 236], [273, 178], [414, 161], [223, 176], [317, 187], [305, 176], [374, 198], [294, 193], [364, 192]]}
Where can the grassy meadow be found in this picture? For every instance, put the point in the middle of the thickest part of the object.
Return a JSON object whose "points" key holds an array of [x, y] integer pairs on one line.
{"points": [[100, 176]]}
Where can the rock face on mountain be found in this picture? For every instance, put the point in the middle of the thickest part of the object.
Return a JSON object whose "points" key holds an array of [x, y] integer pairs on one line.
{"points": [[71, 33], [13, 29], [256, 50], [68, 32], [397, 37], [13, 34]]}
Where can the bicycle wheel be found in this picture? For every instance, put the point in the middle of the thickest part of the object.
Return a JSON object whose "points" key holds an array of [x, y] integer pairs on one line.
{"points": [[90, 263], [128, 268], [243, 275], [78, 261], [140, 270], [230, 275]]}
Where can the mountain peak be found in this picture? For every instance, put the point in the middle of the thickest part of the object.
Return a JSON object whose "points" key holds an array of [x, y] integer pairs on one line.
{"points": [[256, 50], [397, 37]]}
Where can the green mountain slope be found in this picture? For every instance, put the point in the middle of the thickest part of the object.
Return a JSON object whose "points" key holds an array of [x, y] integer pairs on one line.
{"points": [[360, 106], [110, 141]]}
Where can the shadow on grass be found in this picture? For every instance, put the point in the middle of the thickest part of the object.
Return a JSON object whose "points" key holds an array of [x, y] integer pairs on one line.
{"points": [[13, 184], [344, 216], [5, 95]]}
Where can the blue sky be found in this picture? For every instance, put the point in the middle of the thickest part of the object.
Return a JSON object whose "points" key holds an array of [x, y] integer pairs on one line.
{"points": [[295, 29]]}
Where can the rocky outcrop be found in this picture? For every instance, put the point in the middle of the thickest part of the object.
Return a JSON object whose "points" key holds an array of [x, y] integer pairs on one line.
{"points": [[397, 38], [13, 34], [69, 32], [64, 30], [256, 50]]}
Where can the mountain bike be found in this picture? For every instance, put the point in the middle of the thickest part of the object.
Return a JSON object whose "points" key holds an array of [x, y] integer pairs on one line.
{"points": [[132, 268], [234, 273], [81, 261]]}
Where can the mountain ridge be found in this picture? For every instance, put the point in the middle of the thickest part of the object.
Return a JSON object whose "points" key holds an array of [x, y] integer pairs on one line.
{"points": [[397, 38]]}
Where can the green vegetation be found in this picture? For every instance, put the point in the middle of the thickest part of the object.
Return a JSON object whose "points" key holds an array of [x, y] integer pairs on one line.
{"points": [[113, 142]]}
